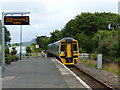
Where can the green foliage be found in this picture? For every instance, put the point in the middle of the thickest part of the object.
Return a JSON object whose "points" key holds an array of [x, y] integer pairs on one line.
{"points": [[14, 51], [94, 56], [108, 44], [56, 35], [15, 44], [34, 49], [9, 57], [95, 32], [91, 23], [81, 50], [44, 45], [117, 59], [6, 50], [28, 49], [70, 29], [114, 49], [7, 34], [37, 50], [85, 42], [42, 41]]}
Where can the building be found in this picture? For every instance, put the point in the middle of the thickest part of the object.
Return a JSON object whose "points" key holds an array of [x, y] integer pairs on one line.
{"points": [[18, 49]]}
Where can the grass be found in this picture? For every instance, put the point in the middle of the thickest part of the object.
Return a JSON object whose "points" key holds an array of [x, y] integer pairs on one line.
{"points": [[91, 63], [109, 67]]}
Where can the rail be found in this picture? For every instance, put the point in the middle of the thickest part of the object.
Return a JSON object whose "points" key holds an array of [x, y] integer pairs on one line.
{"points": [[93, 82]]}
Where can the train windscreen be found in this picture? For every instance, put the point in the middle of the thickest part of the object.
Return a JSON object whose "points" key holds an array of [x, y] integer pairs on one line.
{"points": [[62, 48], [74, 47]]}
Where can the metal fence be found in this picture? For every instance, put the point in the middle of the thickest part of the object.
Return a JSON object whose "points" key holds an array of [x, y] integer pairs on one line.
{"points": [[81, 56], [29, 55], [84, 55]]}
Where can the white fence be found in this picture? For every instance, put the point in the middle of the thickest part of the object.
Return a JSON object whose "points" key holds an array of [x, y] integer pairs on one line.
{"points": [[30, 55], [84, 55]]}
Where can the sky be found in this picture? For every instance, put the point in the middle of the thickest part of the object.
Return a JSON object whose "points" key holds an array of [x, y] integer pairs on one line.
{"points": [[49, 15]]}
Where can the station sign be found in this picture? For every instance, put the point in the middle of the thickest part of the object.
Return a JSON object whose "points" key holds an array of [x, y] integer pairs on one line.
{"points": [[16, 20]]}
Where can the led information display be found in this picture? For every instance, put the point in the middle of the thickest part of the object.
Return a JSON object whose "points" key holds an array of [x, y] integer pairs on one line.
{"points": [[16, 20]]}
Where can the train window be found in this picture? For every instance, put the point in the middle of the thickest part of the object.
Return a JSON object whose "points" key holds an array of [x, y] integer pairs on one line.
{"points": [[74, 47], [62, 48], [74, 42]]}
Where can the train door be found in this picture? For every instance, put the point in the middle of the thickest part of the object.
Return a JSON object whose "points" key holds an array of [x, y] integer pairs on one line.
{"points": [[69, 54], [62, 52], [75, 51]]}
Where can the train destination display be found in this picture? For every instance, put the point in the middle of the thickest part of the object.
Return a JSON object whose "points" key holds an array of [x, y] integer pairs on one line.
{"points": [[16, 20]]}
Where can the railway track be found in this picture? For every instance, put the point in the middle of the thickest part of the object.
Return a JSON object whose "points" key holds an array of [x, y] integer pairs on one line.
{"points": [[90, 80]]}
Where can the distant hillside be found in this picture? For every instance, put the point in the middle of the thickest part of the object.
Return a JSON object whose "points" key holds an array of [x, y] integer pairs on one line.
{"points": [[29, 42]]}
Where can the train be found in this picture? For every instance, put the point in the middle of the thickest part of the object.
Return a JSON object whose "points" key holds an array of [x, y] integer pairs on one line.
{"points": [[66, 50]]}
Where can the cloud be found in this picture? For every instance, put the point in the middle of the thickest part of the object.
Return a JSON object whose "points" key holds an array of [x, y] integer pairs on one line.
{"points": [[49, 15]]}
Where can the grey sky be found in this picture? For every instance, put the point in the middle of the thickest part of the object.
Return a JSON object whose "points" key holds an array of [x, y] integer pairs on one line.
{"points": [[49, 15]]}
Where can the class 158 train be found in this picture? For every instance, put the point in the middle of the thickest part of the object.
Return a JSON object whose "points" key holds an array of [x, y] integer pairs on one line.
{"points": [[65, 49]]}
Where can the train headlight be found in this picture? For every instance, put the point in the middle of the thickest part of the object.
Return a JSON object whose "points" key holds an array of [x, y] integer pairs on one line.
{"points": [[62, 52]]}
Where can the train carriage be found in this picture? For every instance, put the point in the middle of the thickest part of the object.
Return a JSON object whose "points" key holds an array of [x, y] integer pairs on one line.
{"points": [[65, 49]]}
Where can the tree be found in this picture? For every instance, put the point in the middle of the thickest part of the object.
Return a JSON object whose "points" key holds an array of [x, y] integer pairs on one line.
{"points": [[70, 29], [85, 42], [7, 34], [107, 43], [33, 47], [91, 23], [42, 41], [28, 49], [55, 36]]}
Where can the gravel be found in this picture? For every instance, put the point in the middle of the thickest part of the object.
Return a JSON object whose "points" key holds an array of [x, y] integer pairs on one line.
{"points": [[106, 77]]}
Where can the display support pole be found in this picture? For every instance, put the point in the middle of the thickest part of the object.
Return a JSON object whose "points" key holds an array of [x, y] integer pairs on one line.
{"points": [[3, 38], [3, 46], [21, 42]]}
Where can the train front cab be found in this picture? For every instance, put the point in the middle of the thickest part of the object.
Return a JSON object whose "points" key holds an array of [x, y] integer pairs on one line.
{"points": [[68, 52]]}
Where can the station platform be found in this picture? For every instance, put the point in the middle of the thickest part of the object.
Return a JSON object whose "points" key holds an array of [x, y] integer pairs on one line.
{"points": [[39, 73]]}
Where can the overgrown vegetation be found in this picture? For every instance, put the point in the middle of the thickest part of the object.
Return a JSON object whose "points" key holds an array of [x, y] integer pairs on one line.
{"points": [[8, 56], [109, 67], [95, 32]]}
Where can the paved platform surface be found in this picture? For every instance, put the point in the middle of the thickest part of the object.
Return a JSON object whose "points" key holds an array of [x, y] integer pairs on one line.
{"points": [[71, 78], [33, 73]]}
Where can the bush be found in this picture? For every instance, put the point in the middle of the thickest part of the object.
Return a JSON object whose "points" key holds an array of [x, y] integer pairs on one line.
{"points": [[114, 49], [93, 56], [12, 57], [117, 59], [28, 49], [6, 50], [14, 51]]}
